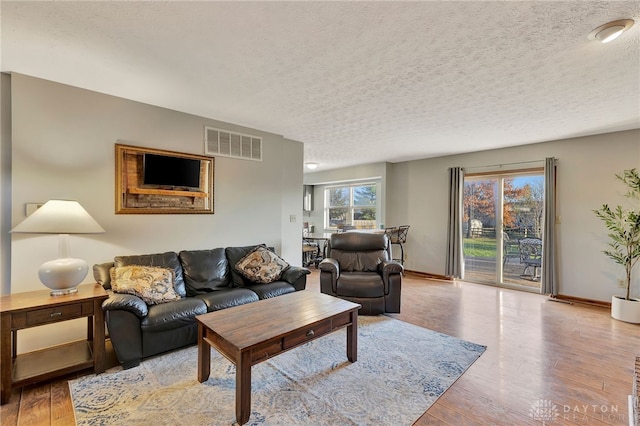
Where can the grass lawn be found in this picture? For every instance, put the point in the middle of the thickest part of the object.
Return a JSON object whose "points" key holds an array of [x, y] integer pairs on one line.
{"points": [[480, 247]]}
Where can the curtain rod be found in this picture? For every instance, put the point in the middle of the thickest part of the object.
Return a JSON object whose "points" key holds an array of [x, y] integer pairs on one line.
{"points": [[508, 164]]}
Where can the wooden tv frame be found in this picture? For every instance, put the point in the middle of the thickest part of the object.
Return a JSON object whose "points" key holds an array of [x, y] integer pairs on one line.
{"points": [[133, 198]]}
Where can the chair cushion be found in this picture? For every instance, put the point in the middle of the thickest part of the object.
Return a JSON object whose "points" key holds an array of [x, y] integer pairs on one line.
{"points": [[227, 298], [359, 261], [360, 284], [277, 288], [170, 316], [359, 241], [205, 270], [359, 251]]}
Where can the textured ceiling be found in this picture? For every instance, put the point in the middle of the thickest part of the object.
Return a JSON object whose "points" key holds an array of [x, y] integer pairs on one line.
{"points": [[357, 82]]}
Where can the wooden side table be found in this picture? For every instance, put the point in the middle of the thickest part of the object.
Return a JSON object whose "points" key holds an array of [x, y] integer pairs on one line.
{"points": [[35, 308]]}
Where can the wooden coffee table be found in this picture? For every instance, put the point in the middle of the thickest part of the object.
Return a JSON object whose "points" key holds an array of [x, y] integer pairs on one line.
{"points": [[249, 334]]}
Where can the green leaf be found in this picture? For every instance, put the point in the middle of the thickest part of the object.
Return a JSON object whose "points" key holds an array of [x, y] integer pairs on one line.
{"points": [[624, 226]]}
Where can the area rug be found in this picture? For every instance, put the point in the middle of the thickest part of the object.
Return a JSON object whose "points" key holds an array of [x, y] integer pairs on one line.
{"points": [[401, 370]]}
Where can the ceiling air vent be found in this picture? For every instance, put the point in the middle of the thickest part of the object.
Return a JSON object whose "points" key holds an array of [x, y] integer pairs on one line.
{"points": [[230, 144]]}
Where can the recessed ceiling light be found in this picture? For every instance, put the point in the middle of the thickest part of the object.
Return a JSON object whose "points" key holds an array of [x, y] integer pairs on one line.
{"points": [[611, 30], [311, 166]]}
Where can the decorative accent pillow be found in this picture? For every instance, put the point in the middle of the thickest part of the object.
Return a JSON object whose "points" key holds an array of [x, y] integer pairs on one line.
{"points": [[152, 284], [261, 266]]}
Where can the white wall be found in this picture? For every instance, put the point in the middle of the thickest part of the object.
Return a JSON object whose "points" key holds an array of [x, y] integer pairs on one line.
{"points": [[63, 147], [291, 187], [418, 195]]}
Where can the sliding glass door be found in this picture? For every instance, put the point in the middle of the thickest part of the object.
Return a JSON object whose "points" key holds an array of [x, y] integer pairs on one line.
{"points": [[502, 228]]}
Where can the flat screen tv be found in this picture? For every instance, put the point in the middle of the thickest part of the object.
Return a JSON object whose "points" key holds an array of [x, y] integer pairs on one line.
{"points": [[173, 172]]}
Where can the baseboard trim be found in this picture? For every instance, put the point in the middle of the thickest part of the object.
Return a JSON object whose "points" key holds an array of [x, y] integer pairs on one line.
{"points": [[561, 297], [583, 301], [429, 275]]}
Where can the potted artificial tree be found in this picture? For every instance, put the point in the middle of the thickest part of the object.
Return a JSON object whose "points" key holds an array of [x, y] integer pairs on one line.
{"points": [[624, 246]]}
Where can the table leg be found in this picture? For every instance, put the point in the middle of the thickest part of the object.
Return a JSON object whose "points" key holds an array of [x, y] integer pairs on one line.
{"points": [[352, 338], [243, 388], [6, 364], [14, 344], [90, 324], [96, 332], [204, 355]]}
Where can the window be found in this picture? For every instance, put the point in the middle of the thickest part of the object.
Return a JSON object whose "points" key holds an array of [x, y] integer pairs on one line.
{"points": [[354, 205]]}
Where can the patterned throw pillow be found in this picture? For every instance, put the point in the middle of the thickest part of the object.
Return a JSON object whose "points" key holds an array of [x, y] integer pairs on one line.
{"points": [[261, 266], [152, 284]]}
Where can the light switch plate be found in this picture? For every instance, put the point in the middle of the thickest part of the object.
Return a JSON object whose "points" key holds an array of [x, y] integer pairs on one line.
{"points": [[32, 207]]}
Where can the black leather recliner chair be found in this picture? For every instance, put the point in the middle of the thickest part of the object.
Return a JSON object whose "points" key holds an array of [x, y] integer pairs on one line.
{"points": [[358, 268]]}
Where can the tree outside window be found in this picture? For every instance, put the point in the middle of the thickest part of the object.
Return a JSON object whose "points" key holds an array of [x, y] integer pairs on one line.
{"points": [[338, 206], [523, 206], [352, 205]]}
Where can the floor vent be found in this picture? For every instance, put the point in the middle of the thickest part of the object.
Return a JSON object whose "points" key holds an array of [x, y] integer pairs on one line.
{"points": [[223, 143]]}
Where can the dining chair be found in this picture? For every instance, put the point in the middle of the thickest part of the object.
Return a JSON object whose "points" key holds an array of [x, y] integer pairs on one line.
{"points": [[310, 252], [398, 235]]}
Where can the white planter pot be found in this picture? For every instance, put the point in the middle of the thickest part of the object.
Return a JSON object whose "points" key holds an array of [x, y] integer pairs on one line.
{"points": [[625, 310]]}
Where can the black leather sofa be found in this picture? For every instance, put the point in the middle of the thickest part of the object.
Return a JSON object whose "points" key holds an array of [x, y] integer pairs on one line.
{"points": [[205, 280]]}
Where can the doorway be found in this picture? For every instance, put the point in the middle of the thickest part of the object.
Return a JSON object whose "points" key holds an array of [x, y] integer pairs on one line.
{"points": [[502, 228]]}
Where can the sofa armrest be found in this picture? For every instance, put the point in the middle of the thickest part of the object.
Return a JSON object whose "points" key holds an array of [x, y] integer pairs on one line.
{"points": [[292, 273], [391, 267], [392, 280], [296, 276], [330, 265], [126, 302], [329, 272], [102, 274]]}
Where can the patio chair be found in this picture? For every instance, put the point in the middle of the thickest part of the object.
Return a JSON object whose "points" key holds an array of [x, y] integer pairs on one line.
{"points": [[531, 257], [510, 248]]}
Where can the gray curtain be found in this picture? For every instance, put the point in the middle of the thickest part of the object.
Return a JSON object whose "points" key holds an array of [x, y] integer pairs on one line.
{"points": [[549, 273], [455, 257]]}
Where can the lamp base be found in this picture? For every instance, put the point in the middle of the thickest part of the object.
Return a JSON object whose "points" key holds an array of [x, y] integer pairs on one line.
{"points": [[62, 276], [63, 292]]}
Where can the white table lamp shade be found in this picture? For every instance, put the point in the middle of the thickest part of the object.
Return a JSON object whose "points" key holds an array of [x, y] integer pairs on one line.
{"points": [[61, 217]]}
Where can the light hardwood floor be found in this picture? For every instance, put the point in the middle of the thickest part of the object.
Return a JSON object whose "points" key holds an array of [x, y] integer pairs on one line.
{"points": [[574, 358]]}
